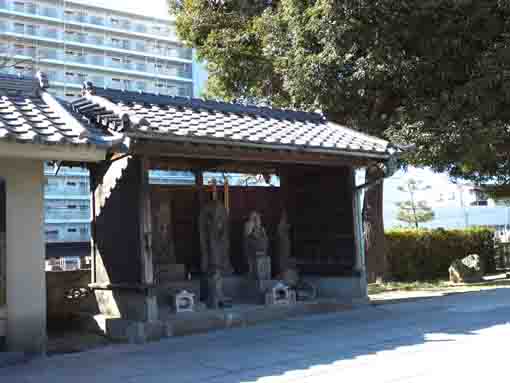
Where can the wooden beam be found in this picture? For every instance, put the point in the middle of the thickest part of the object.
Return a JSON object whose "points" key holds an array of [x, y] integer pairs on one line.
{"points": [[145, 225], [147, 260], [241, 154]]}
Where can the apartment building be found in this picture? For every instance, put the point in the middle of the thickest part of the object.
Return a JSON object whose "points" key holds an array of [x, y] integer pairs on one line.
{"points": [[73, 42]]}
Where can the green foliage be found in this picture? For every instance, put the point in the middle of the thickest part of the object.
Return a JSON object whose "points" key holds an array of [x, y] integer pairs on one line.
{"points": [[422, 255], [411, 211], [434, 73]]}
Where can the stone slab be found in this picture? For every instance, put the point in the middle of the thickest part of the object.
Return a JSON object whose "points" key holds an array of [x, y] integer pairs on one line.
{"points": [[12, 358], [247, 315]]}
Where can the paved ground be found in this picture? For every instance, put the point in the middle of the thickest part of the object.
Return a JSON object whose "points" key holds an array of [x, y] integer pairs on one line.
{"points": [[455, 338]]}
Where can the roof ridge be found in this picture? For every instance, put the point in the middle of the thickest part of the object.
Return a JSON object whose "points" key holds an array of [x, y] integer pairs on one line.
{"points": [[200, 103]]}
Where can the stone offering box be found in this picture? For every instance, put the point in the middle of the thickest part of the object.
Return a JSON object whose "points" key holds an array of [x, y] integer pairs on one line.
{"points": [[280, 294], [183, 301]]}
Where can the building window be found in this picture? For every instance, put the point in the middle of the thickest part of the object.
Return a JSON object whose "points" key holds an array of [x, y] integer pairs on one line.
{"points": [[30, 51], [51, 32], [31, 8], [19, 6], [72, 230], [116, 83], [70, 183], [19, 28], [140, 45], [81, 16], [68, 15], [140, 85], [140, 28], [50, 12], [97, 20], [32, 30], [114, 21]]}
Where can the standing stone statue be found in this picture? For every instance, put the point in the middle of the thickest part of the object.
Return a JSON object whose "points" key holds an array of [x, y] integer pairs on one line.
{"points": [[255, 248], [286, 265], [214, 244]]}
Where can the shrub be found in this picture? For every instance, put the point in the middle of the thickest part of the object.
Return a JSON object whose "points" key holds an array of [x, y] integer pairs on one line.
{"points": [[421, 255]]}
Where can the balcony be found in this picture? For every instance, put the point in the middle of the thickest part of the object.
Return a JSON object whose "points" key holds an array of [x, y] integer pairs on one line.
{"points": [[63, 214], [95, 41], [81, 17]]}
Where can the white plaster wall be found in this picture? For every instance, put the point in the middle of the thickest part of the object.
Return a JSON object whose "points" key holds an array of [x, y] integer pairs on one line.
{"points": [[25, 277]]}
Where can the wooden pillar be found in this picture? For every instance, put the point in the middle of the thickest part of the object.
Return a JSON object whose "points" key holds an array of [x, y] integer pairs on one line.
{"points": [[357, 203], [147, 262]]}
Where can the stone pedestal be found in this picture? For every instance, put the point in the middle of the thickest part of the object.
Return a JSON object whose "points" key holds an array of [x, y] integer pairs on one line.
{"points": [[166, 273]]}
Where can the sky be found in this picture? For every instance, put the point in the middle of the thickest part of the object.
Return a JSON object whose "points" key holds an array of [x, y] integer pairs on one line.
{"points": [[155, 8]]}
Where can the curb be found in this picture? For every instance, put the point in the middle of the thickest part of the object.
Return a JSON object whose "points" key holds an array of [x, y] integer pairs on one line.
{"points": [[379, 302]]}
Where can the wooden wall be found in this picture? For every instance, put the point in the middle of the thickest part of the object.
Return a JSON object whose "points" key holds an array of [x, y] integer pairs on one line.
{"points": [[115, 226], [184, 203], [319, 202]]}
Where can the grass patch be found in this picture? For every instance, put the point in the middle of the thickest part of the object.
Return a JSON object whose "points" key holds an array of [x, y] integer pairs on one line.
{"points": [[377, 288]]}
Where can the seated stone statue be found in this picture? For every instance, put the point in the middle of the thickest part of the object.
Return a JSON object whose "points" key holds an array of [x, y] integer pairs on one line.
{"points": [[214, 244], [255, 248]]}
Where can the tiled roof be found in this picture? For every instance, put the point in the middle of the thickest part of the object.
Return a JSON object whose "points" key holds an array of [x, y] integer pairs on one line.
{"points": [[29, 114], [159, 117]]}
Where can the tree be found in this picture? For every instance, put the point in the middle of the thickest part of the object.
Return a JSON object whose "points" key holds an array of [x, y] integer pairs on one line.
{"points": [[434, 73], [414, 212]]}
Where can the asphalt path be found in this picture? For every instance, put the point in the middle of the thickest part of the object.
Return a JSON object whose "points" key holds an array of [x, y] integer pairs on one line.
{"points": [[462, 337]]}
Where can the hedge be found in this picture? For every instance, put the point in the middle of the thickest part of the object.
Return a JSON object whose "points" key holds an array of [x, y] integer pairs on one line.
{"points": [[425, 255]]}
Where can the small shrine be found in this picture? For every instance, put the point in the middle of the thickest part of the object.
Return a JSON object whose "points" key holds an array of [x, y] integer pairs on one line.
{"points": [[260, 209]]}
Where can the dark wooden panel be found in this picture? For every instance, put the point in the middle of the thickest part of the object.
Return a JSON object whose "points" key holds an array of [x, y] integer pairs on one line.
{"points": [[183, 205], [319, 203], [115, 228], [2, 206]]}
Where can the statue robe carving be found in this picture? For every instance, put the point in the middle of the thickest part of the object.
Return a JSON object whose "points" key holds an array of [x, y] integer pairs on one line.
{"points": [[255, 248], [215, 246]]}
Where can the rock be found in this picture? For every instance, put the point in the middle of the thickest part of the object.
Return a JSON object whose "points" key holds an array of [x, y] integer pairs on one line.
{"points": [[466, 270]]}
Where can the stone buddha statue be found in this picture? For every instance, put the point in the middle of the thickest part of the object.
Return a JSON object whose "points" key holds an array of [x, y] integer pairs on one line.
{"points": [[255, 248]]}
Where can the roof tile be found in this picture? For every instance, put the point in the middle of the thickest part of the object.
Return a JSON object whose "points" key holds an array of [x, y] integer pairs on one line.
{"points": [[231, 123]]}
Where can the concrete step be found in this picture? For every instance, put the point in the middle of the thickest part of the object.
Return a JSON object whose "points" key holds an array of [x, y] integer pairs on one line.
{"points": [[12, 358]]}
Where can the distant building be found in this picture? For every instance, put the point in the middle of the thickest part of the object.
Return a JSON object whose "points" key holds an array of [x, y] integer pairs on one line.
{"points": [[73, 42], [456, 205]]}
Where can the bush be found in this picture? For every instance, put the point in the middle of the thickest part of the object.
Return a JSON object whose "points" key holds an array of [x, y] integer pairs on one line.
{"points": [[424, 255]]}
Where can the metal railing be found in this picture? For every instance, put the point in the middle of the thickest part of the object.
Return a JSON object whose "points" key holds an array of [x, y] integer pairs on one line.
{"points": [[83, 18], [95, 40]]}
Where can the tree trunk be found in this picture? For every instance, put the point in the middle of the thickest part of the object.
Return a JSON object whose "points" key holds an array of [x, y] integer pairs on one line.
{"points": [[373, 225]]}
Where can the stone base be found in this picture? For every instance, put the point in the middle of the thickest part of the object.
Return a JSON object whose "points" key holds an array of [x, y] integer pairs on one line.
{"points": [[12, 358], [127, 330], [171, 273], [344, 288], [247, 315], [122, 303]]}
